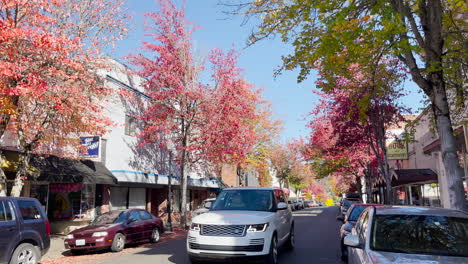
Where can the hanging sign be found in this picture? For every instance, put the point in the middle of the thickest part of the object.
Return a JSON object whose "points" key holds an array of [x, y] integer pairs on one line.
{"points": [[92, 147], [397, 149]]}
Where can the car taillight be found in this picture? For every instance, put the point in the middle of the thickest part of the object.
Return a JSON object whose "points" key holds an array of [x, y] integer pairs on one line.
{"points": [[47, 228]]}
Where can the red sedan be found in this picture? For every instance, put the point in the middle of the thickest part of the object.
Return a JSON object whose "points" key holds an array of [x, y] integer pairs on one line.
{"points": [[115, 229]]}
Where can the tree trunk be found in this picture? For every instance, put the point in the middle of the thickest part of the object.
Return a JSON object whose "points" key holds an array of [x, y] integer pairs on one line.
{"points": [[21, 174], [183, 193], [3, 185], [448, 145]]}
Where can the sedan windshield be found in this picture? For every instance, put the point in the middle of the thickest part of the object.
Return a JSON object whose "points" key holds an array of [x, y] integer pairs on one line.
{"points": [[420, 234], [245, 200], [113, 217]]}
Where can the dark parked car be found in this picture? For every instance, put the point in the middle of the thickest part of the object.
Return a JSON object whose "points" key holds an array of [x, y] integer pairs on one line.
{"points": [[24, 231], [349, 221], [347, 202], [292, 205], [115, 229]]}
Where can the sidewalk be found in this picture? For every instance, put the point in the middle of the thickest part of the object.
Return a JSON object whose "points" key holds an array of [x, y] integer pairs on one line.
{"points": [[59, 255]]}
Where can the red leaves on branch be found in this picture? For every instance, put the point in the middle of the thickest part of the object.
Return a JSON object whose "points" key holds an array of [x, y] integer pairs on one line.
{"points": [[211, 122]]}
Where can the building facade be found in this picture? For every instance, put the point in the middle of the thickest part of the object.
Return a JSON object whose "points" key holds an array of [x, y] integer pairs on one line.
{"points": [[116, 172]]}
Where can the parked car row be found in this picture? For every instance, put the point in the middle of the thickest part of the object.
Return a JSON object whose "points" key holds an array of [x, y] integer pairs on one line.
{"points": [[297, 204], [373, 233]]}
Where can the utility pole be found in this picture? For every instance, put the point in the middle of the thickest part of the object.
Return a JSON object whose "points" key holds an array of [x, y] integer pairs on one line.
{"points": [[169, 194]]}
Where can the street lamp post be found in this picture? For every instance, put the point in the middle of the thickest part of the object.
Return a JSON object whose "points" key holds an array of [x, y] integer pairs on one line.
{"points": [[169, 194]]}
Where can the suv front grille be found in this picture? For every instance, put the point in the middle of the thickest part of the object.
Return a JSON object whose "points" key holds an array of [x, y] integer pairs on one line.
{"points": [[250, 248], [223, 230]]}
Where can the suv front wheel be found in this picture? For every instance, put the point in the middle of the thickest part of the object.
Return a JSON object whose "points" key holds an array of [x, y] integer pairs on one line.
{"points": [[291, 240], [272, 257]]}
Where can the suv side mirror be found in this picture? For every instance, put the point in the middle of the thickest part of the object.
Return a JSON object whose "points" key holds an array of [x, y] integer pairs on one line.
{"points": [[352, 241], [282, 206], [208, 205]]}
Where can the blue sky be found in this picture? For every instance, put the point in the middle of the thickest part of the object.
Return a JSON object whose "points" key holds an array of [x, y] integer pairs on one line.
{"points": [[291, 102]]}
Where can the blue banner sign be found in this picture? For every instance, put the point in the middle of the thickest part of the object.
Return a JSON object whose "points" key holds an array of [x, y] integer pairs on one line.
{"points": [[92, 147]]}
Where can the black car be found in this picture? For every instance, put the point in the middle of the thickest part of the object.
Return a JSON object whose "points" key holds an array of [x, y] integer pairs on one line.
{"points": [[24, 229], [346, 203]]}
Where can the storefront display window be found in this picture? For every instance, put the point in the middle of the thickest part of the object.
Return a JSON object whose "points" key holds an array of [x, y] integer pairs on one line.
{"points": [[71, 201]]}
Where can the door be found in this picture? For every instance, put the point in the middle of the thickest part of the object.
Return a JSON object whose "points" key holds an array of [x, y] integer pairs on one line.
{"points": [[9, 230], [148, 224], [360, 255], [283, 216], [134, 227]]}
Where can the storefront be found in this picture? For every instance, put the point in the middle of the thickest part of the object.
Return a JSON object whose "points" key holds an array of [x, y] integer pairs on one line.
{"points": [[66, 188]]}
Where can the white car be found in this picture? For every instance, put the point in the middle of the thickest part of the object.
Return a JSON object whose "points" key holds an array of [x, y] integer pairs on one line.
{"points": [[409, 234], [204, 207], [243, 222]]}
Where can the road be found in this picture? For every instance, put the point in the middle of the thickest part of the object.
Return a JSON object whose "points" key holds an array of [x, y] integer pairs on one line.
{"points": [[317, 241]]}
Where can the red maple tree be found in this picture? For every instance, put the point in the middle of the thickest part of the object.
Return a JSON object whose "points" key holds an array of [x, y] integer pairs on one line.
{"points": [[206, 123]]}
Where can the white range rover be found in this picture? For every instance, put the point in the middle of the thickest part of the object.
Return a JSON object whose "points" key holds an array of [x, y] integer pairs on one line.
{"points": [[242, 222]]}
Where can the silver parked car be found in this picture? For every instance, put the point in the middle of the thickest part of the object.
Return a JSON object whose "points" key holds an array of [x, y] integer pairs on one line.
{"points": [[204, 207], [393, 234]]}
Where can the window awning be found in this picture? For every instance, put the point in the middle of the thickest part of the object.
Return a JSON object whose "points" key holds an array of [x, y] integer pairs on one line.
{"points": [[413, 176], [54, 169]]}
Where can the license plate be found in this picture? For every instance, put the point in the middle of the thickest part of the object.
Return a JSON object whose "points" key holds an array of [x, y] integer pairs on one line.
{"points": [[80, 242]]}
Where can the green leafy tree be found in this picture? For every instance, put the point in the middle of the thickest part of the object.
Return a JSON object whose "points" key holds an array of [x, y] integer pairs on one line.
{"points": [[426, 35]]}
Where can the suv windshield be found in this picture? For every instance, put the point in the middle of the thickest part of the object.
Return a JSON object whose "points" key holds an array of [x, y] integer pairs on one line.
{"points": [[245, 200], [421, 234], [113, 217]]}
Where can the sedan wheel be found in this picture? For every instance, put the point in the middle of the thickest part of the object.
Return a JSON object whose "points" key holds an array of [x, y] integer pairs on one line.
{"points": [[155, 236], [119, 242]]}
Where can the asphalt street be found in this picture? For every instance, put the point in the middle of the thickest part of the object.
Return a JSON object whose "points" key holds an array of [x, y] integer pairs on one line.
{"points": [[317, 242]]}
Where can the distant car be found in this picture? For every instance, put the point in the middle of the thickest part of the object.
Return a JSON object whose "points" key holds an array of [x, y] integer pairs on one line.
{"points": [[407, 234], [347, 203], [24, 231], [204, 207], [296, 205], [292, 205], [300, 204], [115, 229], [349, 221]]}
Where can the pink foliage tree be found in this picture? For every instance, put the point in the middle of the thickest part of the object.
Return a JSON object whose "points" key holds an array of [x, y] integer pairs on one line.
{"points": [[207, 123], [349, 135]]}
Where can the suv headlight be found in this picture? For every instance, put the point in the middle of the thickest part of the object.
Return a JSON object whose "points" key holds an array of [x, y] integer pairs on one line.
{"points": [[70, 236], [99, 234], [195, 227], [257, 228]]}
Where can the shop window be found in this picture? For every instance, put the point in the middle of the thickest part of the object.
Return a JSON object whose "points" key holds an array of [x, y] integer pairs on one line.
{"points": [[130, 125], [28, 210]]}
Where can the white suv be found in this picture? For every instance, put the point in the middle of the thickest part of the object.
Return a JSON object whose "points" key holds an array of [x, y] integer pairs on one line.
{"points": [[242, 222]]}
